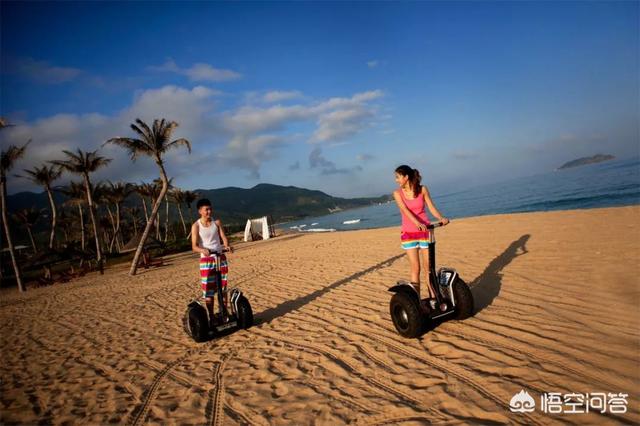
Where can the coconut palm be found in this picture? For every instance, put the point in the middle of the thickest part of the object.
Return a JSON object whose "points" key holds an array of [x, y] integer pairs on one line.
{"points": [[177, 196], [76, 196], [44, 176], [28, 218], [144, 190], [8, 159], [134, 212], [158, 183], [84, 163], [117, 194], [154, 142], [189, 198]]}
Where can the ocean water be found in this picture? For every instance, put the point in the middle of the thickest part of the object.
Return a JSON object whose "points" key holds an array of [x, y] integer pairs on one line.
{"points": [[611, 183]]}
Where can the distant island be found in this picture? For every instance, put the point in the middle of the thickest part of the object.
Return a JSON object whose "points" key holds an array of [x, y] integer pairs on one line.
{"points": [[598, 158]]}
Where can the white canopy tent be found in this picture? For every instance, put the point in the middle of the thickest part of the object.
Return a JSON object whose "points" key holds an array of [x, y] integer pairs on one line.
{"points": [[258, 229]]}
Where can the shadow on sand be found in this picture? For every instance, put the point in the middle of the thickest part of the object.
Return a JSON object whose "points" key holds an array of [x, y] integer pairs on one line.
{"points": [[291, 305], [486, 286]]}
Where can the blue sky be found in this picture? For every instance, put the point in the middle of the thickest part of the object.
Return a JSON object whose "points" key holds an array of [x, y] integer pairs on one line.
{"points": [[329, 96]]}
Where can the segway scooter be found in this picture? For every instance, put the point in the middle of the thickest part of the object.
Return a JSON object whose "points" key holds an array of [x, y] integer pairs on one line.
{"points": [[196, 319], [453, 299]]}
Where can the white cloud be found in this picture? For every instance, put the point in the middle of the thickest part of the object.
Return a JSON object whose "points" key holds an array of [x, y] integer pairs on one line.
{"points": [[41, 71], [244, 137], [372, 64], [198, 71], [279, 96], [341, 124]]}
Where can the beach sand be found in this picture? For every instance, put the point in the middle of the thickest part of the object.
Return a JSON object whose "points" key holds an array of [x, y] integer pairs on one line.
{"points": [[557, 297]]}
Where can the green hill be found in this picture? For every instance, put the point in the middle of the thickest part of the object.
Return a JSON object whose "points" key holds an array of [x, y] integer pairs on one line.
{"points": [[235, 205]]}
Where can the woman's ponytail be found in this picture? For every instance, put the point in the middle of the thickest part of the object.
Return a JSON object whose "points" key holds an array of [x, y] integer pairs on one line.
{"points": [[417, 187], [414, 178]]}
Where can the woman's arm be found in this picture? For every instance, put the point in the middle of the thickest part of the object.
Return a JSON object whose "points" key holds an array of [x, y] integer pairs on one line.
{"points": [[223, 236], [408, 213], [194, 241], [432, 208]]}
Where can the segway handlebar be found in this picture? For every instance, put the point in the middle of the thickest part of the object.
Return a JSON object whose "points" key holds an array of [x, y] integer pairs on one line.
{"points": [[218, 253], [435, 225]]}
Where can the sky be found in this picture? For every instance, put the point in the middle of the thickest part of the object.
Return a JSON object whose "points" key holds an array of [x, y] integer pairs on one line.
{"points": [[328, 96]]}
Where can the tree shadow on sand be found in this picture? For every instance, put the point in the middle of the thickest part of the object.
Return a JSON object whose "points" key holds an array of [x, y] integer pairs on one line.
{"points": [[292, 305], [486, 287]]}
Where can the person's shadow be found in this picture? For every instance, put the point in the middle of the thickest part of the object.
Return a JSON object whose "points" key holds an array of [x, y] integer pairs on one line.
{"points": [[486, 286]]}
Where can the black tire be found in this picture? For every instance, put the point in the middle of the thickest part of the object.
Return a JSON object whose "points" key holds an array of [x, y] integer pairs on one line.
{"points": [[196, 322], [406, 315], [245, 314], [463, 299]]}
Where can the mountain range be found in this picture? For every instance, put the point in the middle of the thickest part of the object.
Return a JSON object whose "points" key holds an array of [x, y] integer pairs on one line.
{"points": [[235, 205]]}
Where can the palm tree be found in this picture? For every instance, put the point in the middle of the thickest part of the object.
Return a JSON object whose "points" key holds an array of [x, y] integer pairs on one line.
{"points": [[144, 190], [135, 217], [76, 195], [83, 163], [177, 196], [154, 142], [158, 183], [7, 161], [189, 198], [28, 218], [44, 176], [117, 194]]}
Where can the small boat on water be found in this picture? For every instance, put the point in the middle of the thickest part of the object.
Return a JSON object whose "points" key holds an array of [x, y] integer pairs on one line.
{"points": [[349, 222]]}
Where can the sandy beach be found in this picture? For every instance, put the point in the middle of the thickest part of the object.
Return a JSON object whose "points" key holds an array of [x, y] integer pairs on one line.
{"points": [[557, 310]]}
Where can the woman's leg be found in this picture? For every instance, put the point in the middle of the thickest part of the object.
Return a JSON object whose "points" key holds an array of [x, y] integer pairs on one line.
{"points": [[432, 294], [425, 263], [414, 261]]}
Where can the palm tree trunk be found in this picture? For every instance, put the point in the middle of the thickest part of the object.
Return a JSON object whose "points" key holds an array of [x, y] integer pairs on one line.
{"points": [[113, 225], [33, 242], [119, 242], [158, 222], [144, 206], [154, 214], [7, 232], [166, 220], [81, 226], [92, 215], [135, 224], [184, 227], [52, 237]]}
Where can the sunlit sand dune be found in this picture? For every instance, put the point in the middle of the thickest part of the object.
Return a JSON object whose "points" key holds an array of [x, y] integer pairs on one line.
{"points": [[557, 298]]}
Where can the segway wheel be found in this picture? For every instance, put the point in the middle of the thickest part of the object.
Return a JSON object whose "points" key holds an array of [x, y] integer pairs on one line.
{"points": [[245, 314], [196, 322], [463, 299], [406, 315]]}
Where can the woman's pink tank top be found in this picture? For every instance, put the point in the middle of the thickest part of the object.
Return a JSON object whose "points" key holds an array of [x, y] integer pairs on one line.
{"points": [[416, 206]]}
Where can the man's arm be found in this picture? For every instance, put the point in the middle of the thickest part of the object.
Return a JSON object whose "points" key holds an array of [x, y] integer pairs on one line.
{"points": [[223, 236], [194, 241]]}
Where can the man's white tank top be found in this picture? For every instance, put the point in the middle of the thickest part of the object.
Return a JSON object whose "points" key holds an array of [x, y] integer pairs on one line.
{"points": [[209, 237]]}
